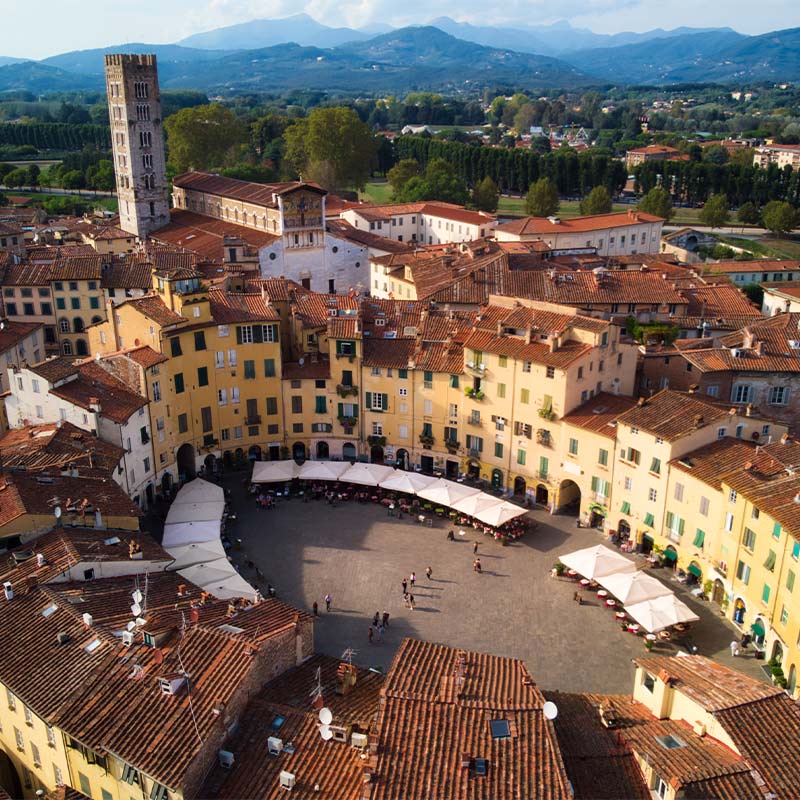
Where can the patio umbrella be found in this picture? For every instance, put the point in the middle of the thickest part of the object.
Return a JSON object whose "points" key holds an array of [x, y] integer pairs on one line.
{"points": [[230, 588], [661, 612], [408, 482], [177, 534], [199, 491], [366, 474], [196, 512], [323, 470], [476, 503], [446, 493], [187, 555], [499, 515], [208, 571], [595, 562], [274, 471], [633, 587]]}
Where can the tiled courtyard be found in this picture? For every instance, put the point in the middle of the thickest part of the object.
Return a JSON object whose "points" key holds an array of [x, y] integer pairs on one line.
{"points": [[359, 555]]}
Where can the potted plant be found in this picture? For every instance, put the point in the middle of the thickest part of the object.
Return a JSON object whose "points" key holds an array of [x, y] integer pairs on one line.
{"points": [[469, 391], [478, 395], [648, 644], [427, 441], [559, 568]]}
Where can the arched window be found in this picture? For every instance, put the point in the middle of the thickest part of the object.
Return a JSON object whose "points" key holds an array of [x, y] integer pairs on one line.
{"points": [[80, 348], [63, 325], [77, 325], [96, 319], [67, 348]]}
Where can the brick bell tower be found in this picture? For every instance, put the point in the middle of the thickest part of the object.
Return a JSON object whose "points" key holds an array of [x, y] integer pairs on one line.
{"points": [[137, 138]]}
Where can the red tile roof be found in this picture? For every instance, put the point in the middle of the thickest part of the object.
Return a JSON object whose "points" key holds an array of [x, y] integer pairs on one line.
{"points": [[248, 191], [343, 229], [12, 333], [55, 369], [599, 415], [542, 226], [229, 307], [153, 307], [308, 370]]}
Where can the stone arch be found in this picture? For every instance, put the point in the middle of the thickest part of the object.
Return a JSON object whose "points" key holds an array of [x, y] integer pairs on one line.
{"points": [[376, 454], [299, 452], [187, 467], [349, 451], [718, 592], [66, 346], [403, 460], [569, 497], [81, 348], [497, 479], [323, 450], [77, 325], [520, 486], [777, 651]]}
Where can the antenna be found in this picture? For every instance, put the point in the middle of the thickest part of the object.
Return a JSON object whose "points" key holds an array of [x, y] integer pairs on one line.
{"points": [[348, 655], [316, 691]]}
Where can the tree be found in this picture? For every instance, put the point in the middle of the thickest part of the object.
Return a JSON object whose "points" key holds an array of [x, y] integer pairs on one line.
{"points": [[200, 137], [542, 199], [3, 200], [779, 217], [401, 173], [332, 145], [73, 179], [748, 214], [486, 195], [715, 154], [716, 212], [657, 202], [598, 201], [440, 182], [33, 175], [17, 177]]}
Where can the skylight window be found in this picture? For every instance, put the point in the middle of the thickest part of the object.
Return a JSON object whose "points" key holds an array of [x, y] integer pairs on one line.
{"points": [[92, 646], [500, 729], [670, 742], [50, 610]]}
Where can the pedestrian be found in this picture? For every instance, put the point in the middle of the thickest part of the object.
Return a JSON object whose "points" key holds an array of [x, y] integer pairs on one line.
{"points": [[385, 619], [734, 648], [450, 536], [371, 634], [412, 579], [380, 632], [429, 572], [411, 601], [476, 565], [328, 601], [474, 548], [405, 586], [376, 619], [315, 608]]}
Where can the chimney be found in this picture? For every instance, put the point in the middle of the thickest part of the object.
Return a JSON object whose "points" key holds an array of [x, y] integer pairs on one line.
{"points": [[748, 465], [40, 562], [759, 348], [693, 388], [347, 675], [784, 438], [641, 402], [9, 590], [88, 620], [698, 421], [747, 340], [94, 404]]}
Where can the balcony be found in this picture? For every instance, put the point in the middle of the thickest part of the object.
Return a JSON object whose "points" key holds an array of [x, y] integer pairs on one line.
{"points": [[543, 438], [477, 367], [542, 476], [348, 422], [476, 421], [345, 390], [376, 441], [474, 452], [253, 419], [426, 441], [473, 393], [452, 446]]}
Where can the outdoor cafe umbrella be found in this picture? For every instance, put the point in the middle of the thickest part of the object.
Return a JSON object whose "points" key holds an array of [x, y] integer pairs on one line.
{"points": [[177, 534], [366, 474], [199, 491], [187, 555], [323, 470], [476, 503], [499, 515], [407, 482], [196, 512], [274, 471], [661, 612], [208, 571], [596, 562], [446, 493], [633, 587]]}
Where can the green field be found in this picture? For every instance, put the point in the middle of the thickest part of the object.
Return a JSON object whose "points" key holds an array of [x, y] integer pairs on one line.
{"points": [[767, 246], [108, 203]]}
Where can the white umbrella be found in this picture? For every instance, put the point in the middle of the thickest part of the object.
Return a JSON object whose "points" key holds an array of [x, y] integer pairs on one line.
{"points": [[366, 474], [195, 512], [183, 533], [187, 555], [208, 571], [446, 493], [633, 587], [476, 503], [661, 612], [595, 562], [499, 515], [230, 588], [200, 491], [408, 482], [323, 470], [274, 471]]}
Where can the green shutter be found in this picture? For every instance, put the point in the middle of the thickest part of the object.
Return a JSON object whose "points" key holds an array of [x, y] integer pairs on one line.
{"points": [[626, 507], [368, 400], [680, 526], [385, 404], [649, 519], [699, 538], [238, 334], [790, 580], [770, 562], [544, 465], [355, 410], [670, 517], [341, 410], [594, 483], [258, 334]]}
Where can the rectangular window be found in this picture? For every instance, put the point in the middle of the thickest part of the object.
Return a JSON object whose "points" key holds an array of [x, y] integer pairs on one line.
{"points": [[655, 466], [205, 416], [235, 395], [58, 775], [183, 423], [704, 506], [249, 369], [652, 495], [297, 404], [524, 396], [749, 539], [628, 483], [222, 396], [501, 390], [202, 376], [320, 405], [790, 580], [231, 358], [199, 340], [770, 561], [454, 381], [225, 434], [498, 449], [269, 368], [175, 346], [179, 386], [602, 457], [402, 374], [728, 521], [678, 492], [796, 550], [765, 592], [573, 447], [776, 530], [75, 302], [86, 787], [219, 359], [521, 455], [743, 573]]}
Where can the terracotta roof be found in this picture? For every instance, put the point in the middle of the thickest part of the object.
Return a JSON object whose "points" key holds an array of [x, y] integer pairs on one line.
{"points": [[432, 208], [277, 290], [153, 307], [722, 307], [26, 273], [599, 415], [229, 307], [757, 265], [55, 369], [670, 415], [308, 370], [143, 355], [130, 273], [78, 268], [343, 229], [436, 707], [94, 384], [248, 191], [394, 354], [712, 462], [542, 226], [654, 148], [12, 332], [56, 444], [315, 310]]}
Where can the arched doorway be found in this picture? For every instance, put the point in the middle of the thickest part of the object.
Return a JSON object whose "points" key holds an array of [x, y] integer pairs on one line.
{"points": [[670, 557], [758, 631], [376, 454], [299, 452], [520, 486], [209, 465], [402, 459], [791, 680], [569, 498], [474, 470], [542, 495], [695, 573], [150, 494], [718, 592], [187, 468], [623, 529], [777, 652], [254, 453], [9, 777], [739, 610], [497, 479], [323, 451], [166, 483], [227, 459], [80, 348], [349, 451]]}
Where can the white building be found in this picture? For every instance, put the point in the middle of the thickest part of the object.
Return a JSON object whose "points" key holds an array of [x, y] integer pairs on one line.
{"points": [[619, 234], [20, 343], [781, 299], [95, 401]]}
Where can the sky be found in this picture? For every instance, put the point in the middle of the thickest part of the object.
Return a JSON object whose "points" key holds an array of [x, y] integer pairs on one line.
{"points": [[47, 27]]}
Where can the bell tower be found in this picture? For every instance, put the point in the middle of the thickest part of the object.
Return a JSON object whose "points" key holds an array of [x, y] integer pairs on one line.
{"points": [[134, 110]]}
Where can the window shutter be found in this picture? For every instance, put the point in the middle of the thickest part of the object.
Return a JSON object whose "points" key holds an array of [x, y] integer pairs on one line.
{"points": [[680, 525], [594, 484], [258, 333], [355, 410], [238, 334], [669, 520], [368, 400], [341, 410], [385, 404]]}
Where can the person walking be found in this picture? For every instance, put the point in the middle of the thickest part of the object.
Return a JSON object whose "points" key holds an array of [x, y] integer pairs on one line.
{"points": [[328, 601], [380, 632], [429, 572], [474, 548], [411, 601], [315, 609], [734, 648], [405, 586], [376, 619], [412, 579], [371, 634], [476, 565], [450, 536], [385, 619]]}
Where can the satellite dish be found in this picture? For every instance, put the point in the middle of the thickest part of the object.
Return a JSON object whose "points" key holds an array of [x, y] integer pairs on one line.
{"points": [[136, 609], [57, 512], [131, 625], [325, 716], [137, 596], [326, 733], [550, 710]]}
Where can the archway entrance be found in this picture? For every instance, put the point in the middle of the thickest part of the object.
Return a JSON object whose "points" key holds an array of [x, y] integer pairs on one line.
{"points": [[426, 464], [777, 652], [186, 462], [473, 470], [9, 778], [227, 459], [376, 454], [569, 498], [80, 348], [452, 469], [670, 557], [542, 495], [299, 452], [323, 451], [623, 529], [274, 452], [520, 486], [758, 631], [349, 451], [254, 453], [166, 483], [497, 479], [402, 459], [695, 573], [210, 465], [718, 592]]}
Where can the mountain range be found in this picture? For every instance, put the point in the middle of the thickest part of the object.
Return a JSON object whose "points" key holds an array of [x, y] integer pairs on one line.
{"points": [[446, 56]]}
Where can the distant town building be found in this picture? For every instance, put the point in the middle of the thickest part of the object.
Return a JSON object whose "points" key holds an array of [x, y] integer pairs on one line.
{"points": [[784, 155], [653, 152]]}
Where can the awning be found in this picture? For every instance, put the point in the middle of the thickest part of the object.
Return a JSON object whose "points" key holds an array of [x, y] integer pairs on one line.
{"points": [[499, 515], [178, 534], [446, 493], [366, 474], [188, 555], [408, 482], [596, 562], [633, 587], [670, 555], [661, 612], [196, 512], [274, 471], [199, 491], [323, 470], [757, 628], [598, 508], [699, 538], [477, 503], [693, 569]]}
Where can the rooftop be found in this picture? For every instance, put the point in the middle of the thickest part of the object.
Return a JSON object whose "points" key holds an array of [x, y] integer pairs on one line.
{"points": [[257, 193], [600, 413], [543, 226]]}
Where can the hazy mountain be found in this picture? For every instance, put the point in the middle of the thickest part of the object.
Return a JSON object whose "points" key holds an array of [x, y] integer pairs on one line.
{"points": [[90, 62], [260, 33], [4, 60], [38, 78]]}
